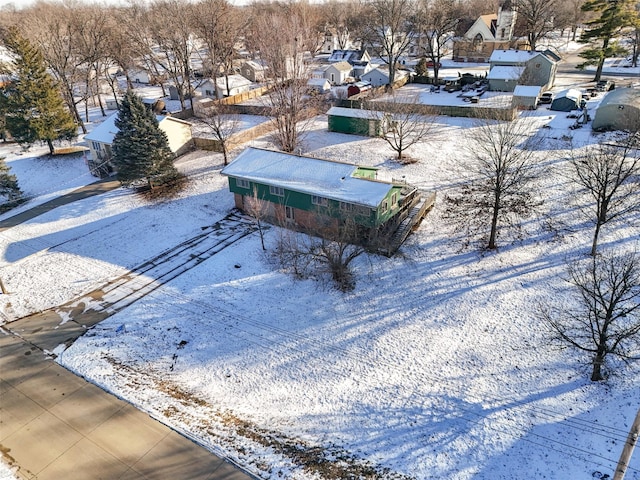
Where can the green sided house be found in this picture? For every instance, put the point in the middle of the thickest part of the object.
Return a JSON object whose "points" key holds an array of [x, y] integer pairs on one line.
{"points": [[317, 196]]}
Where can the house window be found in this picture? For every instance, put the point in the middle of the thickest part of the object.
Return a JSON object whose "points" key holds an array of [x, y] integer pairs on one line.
{"points": [[384, 207], [277, 191], [394, 199], [96, 146], [316, 200], [241, 183], [208, 93], [346, 207], [288, 212]]}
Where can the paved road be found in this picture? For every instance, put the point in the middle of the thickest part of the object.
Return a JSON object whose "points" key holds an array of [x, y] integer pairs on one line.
{"points": [[55, 425], [95, 188]]}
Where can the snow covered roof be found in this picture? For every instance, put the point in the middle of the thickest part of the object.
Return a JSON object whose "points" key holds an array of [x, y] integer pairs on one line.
{"points": [[513, 56], [355, 113], [622, 96], [526, 91], [106, 131], [347, 55], [571, 93], [309, 175], [505, 73], [342, 66]]}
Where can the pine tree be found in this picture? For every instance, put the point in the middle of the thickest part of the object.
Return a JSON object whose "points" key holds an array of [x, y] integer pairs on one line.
{"points": [[614, 15], [9, 188], [31, 102], [140, 149]]}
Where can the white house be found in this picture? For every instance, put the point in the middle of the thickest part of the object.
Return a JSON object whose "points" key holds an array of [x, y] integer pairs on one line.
{"points": [[337, 73], [254, 71], [101, 138], [237, 84], [380, 76]]}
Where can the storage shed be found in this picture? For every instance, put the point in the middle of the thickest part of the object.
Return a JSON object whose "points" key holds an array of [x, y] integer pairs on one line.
{"points": [[566, 100], [357, 121], [504, 78], [619, 110], [525, 97]]}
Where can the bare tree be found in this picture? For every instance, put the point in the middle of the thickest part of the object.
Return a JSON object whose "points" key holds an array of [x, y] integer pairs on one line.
{"points": [[390, 31], [502, 163], [438, 22], [174, 38], [54, 31], [536, 19], [279, 35], [223, 124], [332, 252], [607, 175], [258, 209], [605, 320], [340, 19], [219, 25], [408, 124]]}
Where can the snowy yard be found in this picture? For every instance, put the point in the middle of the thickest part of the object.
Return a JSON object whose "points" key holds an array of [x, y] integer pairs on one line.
{"points": [[436, 366]]}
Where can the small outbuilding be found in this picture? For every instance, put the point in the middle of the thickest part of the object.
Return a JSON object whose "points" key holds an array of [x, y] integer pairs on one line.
{"points": [[357, 121], [525, 97], [566, 100], [318, 85], [504, 78], [618, 110]]}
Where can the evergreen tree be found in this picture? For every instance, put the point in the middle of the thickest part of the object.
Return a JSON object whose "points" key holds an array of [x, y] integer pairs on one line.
{"points": [[31, 102], [614, 15], [140, 149], [9, 188]]}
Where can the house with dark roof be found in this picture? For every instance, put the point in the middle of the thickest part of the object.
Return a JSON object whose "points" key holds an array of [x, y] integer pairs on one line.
{"points": [[317, 195]]}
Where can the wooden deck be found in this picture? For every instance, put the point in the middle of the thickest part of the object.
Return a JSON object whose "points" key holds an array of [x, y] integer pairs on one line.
{"points": [[418, 208]]}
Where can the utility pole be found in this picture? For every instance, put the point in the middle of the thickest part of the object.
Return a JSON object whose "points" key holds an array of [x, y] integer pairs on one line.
{"points": [[629, 445]]}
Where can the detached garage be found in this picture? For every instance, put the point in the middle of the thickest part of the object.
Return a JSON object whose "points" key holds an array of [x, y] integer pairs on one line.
{"points": [[526, 97], [566, 100], [356, 121], [618, 110]]}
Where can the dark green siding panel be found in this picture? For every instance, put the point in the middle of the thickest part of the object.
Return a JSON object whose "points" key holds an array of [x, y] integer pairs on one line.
{"points": [[355, 126]]}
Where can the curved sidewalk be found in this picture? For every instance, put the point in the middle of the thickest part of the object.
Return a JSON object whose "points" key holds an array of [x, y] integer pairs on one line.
{"points": [[55, 425]]}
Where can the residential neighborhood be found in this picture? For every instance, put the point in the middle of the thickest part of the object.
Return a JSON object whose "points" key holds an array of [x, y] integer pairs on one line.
{"points": [[343, 240]]}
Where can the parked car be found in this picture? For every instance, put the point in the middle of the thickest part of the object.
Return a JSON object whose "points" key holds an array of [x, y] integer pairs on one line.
{"points": [[604, 86], [546, 97], [430, 64]]}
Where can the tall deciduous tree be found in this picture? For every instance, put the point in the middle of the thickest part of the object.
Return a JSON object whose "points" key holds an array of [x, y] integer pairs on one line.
{"points": [[390, 31], [32, 103], [604, 321], [140, 149], [502, 166], [279, 35], [601, 32], [606, 174], [536, 19], [438, 22]]}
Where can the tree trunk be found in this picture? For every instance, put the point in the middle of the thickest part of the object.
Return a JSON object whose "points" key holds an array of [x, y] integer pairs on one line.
{"points": [[494, 222], [50, 144], [594, 244], [596, 374]]}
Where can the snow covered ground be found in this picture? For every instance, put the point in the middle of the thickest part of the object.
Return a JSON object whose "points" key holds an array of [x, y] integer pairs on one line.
{"points": [[436, 365]]}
